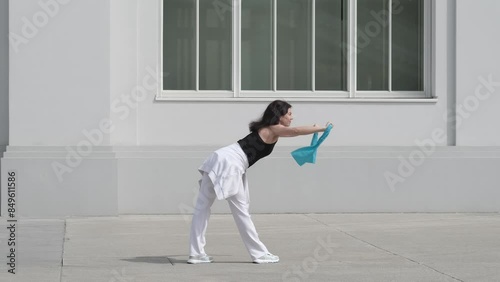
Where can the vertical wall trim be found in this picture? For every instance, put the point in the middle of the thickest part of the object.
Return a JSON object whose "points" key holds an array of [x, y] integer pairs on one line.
{"points": [[452, 72]]}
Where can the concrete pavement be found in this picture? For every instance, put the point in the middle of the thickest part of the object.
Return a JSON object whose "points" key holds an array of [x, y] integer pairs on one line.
{"points": [[312, 247]]}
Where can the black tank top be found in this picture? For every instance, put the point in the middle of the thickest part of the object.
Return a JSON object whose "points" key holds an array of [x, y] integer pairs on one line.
{"points": [[255, 148]]}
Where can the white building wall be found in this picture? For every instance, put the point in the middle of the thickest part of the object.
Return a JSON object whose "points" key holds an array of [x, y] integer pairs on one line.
{"points": [[60, 78], [364, 124], [59, 96], [4, 75], [75, 73], [478, 73], [123, 44]]}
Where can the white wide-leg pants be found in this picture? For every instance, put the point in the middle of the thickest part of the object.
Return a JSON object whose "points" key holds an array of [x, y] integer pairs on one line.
{"points": [[239, 205]]}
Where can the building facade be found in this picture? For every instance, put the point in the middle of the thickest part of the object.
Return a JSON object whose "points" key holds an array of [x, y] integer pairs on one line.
{"points": [[89, 127]]}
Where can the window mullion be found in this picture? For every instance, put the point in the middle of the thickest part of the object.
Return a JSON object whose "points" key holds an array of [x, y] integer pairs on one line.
{"points": [[197, 45], [352, 48], [161, 73], [313, 51], [236, 47], [428, 52], [275, 45], [390, 46]]}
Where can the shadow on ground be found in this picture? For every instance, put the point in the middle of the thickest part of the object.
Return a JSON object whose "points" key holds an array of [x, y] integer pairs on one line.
{"points": [[175, 259]]}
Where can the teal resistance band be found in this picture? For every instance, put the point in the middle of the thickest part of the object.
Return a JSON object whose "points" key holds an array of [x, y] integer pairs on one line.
{"points": [[308, 154]]}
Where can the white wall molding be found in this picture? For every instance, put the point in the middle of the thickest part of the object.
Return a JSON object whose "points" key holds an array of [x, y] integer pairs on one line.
{"points": [[164, 180], [157, 152], [51, 185]]}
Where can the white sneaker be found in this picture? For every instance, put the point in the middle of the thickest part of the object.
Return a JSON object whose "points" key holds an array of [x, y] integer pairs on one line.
{"points": [[200, 259], [267, 258]]}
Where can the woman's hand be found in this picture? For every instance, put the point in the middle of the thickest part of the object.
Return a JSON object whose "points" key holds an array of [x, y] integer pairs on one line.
{"points": [[324, 128]]}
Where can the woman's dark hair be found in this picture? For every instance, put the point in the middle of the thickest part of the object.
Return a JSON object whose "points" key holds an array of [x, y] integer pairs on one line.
{"points": [[271, 115]]}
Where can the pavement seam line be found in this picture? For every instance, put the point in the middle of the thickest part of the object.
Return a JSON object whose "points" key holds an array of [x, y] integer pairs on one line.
{"points": [[62, 253], [170, 261], [387, 251]]}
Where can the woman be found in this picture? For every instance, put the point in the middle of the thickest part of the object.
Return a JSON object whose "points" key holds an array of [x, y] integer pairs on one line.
{"points": [[223, 177]]}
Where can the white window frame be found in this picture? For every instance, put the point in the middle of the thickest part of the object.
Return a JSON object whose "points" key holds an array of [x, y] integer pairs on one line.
{"points": [[352, 94]]}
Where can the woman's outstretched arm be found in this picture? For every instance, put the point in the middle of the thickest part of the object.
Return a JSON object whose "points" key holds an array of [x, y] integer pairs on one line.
{"points": [[284, 131]]}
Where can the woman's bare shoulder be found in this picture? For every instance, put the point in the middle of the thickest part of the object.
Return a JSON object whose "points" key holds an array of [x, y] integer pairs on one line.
{"points": [[268, 135]]}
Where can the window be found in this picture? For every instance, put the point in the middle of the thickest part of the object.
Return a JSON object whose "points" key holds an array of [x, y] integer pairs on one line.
{"points": [[296, 48]]}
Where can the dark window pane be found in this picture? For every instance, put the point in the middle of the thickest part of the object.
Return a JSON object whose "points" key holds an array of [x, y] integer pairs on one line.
{"points": [[215, 45], [331, 41], [256, 45], [294, 68], [179, 44], [407, 46], [373, 45]]}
